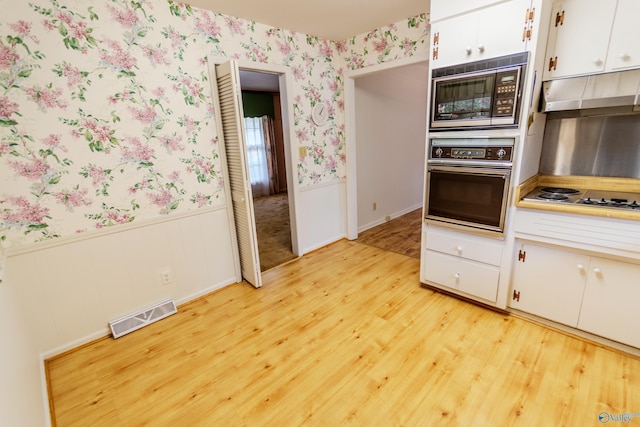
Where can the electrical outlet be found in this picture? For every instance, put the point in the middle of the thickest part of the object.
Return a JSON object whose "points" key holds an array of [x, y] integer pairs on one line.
{"points": [[375, 206], [165, 277], [302, 152], [387, 218]]}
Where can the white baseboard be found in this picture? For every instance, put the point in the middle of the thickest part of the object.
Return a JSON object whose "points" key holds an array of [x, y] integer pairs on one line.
{"points": [[392, 216]]}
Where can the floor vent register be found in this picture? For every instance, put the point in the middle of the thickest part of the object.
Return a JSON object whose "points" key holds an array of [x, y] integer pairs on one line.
{"points": [[142, 318]]}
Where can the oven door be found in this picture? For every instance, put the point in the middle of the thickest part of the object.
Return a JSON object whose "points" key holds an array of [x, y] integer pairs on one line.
{"points": [[474, 197]]}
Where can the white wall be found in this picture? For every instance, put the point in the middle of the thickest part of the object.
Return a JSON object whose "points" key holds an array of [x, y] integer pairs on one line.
{"points": [[321, 215], [390, 108], [20, 367]]}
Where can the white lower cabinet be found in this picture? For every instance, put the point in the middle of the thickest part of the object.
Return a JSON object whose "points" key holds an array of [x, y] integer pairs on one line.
{"points": [[611, 303], [462, 263], [594, 294]]}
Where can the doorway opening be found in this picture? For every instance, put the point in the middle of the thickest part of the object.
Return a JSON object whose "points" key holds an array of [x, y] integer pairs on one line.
{"points": [[386, 129]]}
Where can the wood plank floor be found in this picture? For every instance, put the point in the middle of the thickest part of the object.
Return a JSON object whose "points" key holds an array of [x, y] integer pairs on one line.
{"points": [[342, 336]]}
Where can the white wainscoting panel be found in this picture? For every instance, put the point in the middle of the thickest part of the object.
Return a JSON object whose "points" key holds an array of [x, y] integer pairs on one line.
{"points": [[322, 217], [70, 291]]}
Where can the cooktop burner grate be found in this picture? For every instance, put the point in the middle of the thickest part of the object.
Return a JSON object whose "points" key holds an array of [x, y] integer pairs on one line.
{"points": [[559, 190]]}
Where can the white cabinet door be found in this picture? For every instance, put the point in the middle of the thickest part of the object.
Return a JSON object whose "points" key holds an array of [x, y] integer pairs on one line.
{"points": [[502, 29], [579, 37], [441, 9], [453, 40], [494, 31], [610, 307], [624, 49], [549, 283]]}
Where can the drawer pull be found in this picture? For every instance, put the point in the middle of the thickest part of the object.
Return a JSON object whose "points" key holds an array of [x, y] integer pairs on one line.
{"points": [[457, 276]]}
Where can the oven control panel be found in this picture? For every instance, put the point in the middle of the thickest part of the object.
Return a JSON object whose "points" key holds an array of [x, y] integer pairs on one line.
{"points": [[493, 153]]}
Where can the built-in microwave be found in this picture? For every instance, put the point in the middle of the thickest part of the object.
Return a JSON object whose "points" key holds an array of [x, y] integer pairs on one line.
{"points": [[479, 95]]}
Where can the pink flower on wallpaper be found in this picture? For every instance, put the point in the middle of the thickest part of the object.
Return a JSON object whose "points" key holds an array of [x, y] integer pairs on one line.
{"points": [[27, 213], [112, 217], [46, 97], [333, 86], [341, 46], [175, 37], [53, 141], [172, 143], [138, 151], [206, 167], [5, 148], [97, 175], [175, 177], [7, 56], [144, 115], [357, 61], [163, 199], [116, 57], [159, 92], [205, 24], [73, 198], [235, 25], [73, 75], [408, 45], [127, 17], [23, 28], [7, 107], [335, 141], [156, 54], [33, 170], [302, 134], [380, 45], [325, 49], [298, 73], [201, 200], [332, 163], [188, 123], [284, 48]]}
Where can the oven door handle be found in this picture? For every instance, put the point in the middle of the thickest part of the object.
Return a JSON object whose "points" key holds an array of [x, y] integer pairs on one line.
{"points": [[505, 173]]}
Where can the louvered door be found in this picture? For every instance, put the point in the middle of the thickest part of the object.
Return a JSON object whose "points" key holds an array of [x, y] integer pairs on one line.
{"points": [[228, 80]]}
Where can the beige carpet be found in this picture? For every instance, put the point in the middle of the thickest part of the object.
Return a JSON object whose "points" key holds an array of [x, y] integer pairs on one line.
{"points": [[273, 229]]}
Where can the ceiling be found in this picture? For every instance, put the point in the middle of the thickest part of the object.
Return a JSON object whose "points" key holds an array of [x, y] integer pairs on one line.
{"points": [[335, 20]]}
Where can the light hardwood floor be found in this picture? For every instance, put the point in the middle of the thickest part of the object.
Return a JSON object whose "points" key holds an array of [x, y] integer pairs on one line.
{"points": [[342, 336]]}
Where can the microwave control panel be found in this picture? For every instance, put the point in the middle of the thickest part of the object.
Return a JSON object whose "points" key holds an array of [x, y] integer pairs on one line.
{"points": [[506, 93]]}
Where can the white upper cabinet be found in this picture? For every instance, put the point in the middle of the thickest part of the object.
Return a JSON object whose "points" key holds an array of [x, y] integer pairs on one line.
{"points": [[592, 36], [441, 9], [624, 50], [497, 30]]}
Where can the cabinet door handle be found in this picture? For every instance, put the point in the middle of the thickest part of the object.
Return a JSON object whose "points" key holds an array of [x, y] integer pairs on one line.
{"points": [[580, 267], [597, 61], [457, 276], [459, 249], [597, 270], [624, 56], [468, 50], [481, 48]]}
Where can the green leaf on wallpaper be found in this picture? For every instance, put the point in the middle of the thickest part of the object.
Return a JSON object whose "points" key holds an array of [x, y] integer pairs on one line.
{"points": [[127, 73], [92, 15], [142, 32], [7, 122], [74, 43], [37, 226], [54, 180], [88, 136], [146, 164], [62, 30]]}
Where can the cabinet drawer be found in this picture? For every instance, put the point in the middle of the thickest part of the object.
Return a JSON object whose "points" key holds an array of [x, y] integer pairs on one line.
{"points": [[461, 275], [474, 248]]}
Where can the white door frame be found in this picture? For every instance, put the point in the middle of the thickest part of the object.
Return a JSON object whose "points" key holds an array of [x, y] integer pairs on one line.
{"points": [[351, 137], [285, 77]]}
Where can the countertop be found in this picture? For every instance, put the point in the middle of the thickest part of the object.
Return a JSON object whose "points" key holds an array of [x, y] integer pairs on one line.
{"points": [[580, 183]]}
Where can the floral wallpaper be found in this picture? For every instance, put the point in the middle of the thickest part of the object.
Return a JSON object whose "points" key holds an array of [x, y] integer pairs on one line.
{"points": [[106, 115]]}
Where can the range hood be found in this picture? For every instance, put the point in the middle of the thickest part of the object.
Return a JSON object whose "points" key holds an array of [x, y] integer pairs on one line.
{"points": [[616, 89]]}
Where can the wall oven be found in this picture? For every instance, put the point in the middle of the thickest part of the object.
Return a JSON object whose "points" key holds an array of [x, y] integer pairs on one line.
{"points": [[467, 182], [483, 94]]}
